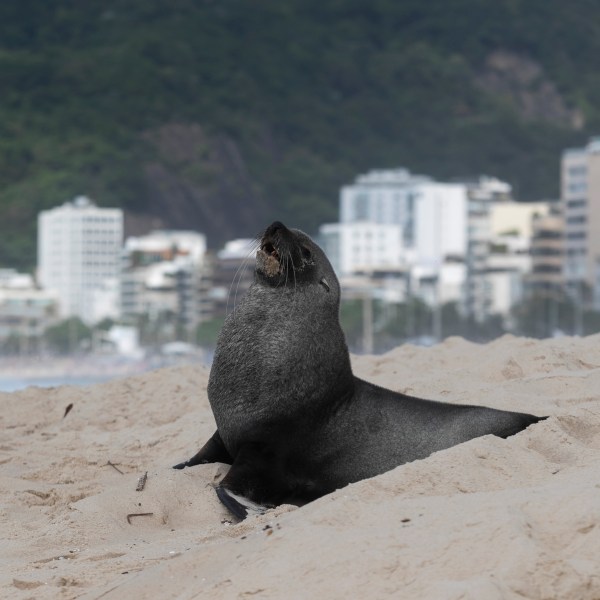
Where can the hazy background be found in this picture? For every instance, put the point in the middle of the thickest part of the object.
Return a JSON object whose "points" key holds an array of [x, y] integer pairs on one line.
{"points": [[223, 115]]}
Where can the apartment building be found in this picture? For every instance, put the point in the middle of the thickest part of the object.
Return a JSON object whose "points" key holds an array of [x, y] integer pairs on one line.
{"points": [[547, 255], [79, 248], [484, 194], [25, 311], [162, 276], [363, 246], [580, 196], [433, 234], [431, 217]]}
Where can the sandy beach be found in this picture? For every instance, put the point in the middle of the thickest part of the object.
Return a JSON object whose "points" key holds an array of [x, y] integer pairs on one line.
{"points": [[491, 518]]}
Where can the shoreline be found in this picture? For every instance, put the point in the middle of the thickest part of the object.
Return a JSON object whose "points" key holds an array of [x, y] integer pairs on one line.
{"points": [[86, 366]]}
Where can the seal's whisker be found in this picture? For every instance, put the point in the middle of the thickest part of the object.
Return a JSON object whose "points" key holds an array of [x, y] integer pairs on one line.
{"points": [[289, 262], [284, 265], [287, 269], [246, 262], [239, 272], [253, 245], [295, 281]]}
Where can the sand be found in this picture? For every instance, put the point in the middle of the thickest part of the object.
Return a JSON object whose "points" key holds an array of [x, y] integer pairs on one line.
{"points": [[491, 518]]}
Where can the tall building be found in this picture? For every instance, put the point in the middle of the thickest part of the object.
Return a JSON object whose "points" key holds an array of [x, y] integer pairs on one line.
{"points": [[439, 227], [79, 248], [435, 238], [363, 246], [384, 196], [407, 226], [431, 216], [162, 277], [511, 259], [580, 195], [547, 242], [484, 193]]}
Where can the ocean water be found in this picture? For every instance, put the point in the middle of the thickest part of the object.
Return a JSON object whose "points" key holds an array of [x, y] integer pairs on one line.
{"points": [[14, 384]]}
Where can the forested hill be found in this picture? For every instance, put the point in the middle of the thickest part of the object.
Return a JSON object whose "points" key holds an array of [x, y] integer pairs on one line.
{"points": [[221, 115]]}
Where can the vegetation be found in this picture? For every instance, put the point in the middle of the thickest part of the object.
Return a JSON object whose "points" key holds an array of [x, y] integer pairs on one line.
{"points": [[207, 332], [392, 325], [157, 329], [413, 322], [223, 115], [545, 316], [70, 336]]}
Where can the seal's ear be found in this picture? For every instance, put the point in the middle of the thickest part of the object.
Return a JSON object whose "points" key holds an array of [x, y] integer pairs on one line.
{"points": [[324, 283]]}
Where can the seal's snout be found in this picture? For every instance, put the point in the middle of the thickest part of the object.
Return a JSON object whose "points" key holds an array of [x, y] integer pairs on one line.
{"points": [[271, 240], [270, 250], [268, 256], [282, 251]]}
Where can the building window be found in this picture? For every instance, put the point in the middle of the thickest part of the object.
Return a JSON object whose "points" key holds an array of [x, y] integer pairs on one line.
{"points": [[577, 171], [577, 187], [361, 207]]}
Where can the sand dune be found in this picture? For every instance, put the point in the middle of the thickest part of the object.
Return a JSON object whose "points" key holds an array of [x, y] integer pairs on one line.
{"points": [[492, 518]]}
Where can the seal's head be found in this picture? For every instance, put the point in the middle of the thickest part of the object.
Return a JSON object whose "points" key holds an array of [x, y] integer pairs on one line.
{"points": [[288, 257]]}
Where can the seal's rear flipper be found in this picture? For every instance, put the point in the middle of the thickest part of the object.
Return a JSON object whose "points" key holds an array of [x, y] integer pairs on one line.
{"points": [[521, 422], [213, 451], [241, 507]]}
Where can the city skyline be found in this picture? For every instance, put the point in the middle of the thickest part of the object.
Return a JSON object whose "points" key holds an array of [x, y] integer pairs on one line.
{"points": [[399, 236]]}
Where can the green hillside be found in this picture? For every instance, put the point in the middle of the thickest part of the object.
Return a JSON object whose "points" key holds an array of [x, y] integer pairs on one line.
{"points": [[222, 115]]}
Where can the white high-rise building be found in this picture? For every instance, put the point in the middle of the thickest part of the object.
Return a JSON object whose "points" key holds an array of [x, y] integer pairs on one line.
{"points": [[440, 223], [431, 215], [483, 192], [79, 250], [363, 246], [580, 195], [386, 197], [396, 221]]}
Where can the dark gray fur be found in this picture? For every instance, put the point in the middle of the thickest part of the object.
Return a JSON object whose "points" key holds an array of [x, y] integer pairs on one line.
{"points": [[291, 417]]}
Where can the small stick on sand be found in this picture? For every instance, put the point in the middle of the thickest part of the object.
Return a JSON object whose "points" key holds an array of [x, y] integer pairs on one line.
{"points": [[137, 515], [114, 467], [67, 410]]}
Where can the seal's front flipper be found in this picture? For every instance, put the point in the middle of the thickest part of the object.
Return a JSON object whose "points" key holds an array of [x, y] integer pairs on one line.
{"points": [[255, 482], [241, 507], [213, 451]]}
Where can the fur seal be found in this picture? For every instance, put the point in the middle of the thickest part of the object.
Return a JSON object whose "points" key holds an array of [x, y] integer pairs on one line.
{"points": [[292, 420]]}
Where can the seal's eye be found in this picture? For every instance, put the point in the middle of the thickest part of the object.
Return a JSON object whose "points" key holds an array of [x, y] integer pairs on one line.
{"points": [[306, 253]]}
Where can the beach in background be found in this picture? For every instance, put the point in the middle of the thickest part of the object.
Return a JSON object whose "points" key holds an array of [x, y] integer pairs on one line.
{"points": [[19, 373]]}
